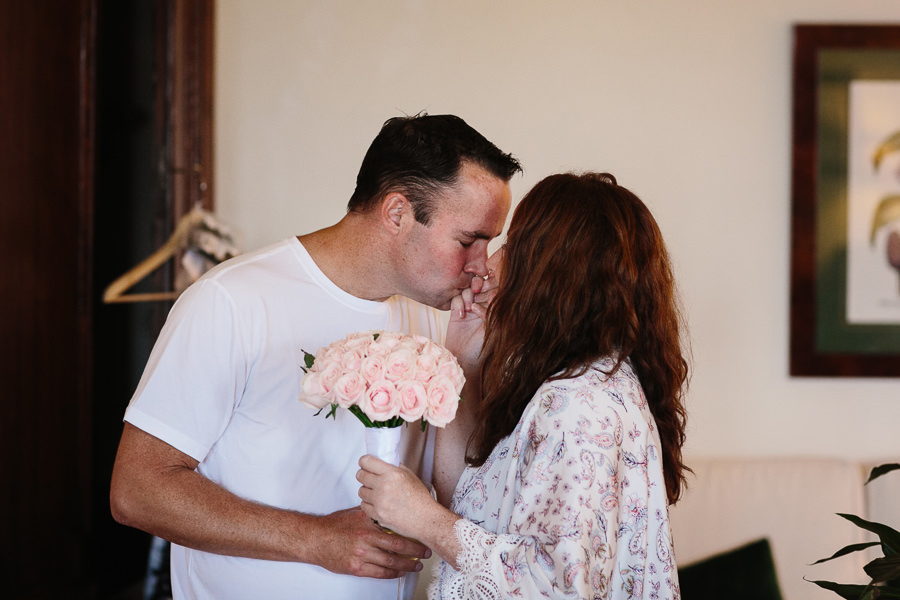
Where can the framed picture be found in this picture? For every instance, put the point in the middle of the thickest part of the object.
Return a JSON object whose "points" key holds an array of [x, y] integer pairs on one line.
{"points": [[845, 218]]}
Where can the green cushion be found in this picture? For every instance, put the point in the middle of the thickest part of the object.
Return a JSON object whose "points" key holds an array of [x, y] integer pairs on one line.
{"points": [[745, 573]]}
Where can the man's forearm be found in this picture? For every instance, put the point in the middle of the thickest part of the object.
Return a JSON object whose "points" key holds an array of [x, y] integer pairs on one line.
{"points": [[155, 488]]}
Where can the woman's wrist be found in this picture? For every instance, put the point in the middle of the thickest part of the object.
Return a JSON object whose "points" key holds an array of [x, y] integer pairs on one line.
{"points": [[438, 533]]}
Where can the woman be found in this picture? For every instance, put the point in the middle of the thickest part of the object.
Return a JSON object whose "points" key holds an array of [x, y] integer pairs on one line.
{"points": [[575, 445]]}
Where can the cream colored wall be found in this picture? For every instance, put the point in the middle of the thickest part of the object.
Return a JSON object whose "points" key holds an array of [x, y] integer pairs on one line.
{"points": [[687, 103]]}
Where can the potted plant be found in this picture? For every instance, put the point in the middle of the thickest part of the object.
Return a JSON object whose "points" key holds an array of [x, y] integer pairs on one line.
{"points": [[883, 571]]}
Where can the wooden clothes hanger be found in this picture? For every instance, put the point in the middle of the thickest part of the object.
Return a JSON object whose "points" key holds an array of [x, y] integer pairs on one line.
{"points": [[179, 240]]}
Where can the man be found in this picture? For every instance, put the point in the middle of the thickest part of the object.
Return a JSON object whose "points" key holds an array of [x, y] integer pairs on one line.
{"points": [[257, 495]]}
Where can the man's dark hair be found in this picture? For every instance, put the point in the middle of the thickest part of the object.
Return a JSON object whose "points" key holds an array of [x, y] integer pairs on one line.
{"points": [[419, 156]]}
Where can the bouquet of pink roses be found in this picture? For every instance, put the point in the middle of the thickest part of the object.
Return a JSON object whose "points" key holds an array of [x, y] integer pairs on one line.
{"points": [[385, 379]]}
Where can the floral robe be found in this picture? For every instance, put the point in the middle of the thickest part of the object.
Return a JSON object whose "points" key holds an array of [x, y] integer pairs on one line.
{"points": [[571, 505]]}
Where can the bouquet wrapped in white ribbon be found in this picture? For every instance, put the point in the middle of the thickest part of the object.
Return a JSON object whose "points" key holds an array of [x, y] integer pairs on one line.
{"points": [[386, 379]]}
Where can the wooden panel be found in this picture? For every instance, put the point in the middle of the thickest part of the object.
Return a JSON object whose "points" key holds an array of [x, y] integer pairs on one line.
{"points": [[71, 219], [44, 345]]}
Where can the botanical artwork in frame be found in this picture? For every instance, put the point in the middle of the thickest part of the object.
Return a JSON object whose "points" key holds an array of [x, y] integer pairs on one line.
{"points": [[845, 220]]}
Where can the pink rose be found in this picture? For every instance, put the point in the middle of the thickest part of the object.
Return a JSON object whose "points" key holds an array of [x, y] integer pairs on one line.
{"points": [[400, 364], [333, 352], [442, 401], [390, 338], [421, 340], [426, 367], [312, 395], [372, 368], [449, 368], [377, 348], [358, 341], [381, 401], [385, 343], [408, 343], [351, 359], [349, 389], [413, 400], [320, 355], [433, 349], [328, 376]]}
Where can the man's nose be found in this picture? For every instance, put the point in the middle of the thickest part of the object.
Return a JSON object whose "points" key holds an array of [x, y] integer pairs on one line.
{"points": [[478, 266]]}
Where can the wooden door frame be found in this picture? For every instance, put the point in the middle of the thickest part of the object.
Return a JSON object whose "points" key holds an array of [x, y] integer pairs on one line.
{"points": [[183, 130]]}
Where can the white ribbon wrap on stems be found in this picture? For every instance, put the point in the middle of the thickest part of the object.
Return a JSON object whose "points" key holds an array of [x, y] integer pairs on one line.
{"points": [[384, 443]]}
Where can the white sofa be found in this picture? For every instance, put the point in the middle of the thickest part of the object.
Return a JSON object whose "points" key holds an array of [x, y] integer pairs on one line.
{"points": [[790, 501]]}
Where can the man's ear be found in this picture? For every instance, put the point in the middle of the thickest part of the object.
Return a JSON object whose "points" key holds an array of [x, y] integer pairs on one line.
{"points": [[395, 210]]}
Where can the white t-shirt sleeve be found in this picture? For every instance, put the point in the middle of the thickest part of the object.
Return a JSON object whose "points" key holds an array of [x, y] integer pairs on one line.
{"points": [[195, 374]]}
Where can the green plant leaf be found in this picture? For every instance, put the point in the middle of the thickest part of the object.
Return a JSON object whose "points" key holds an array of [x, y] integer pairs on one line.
{"points": [[308, 359], [888, 211], [890, 538], [884, 593], [844, 590], [848, 550], [884, 569], [881, 470], [890, 144]]}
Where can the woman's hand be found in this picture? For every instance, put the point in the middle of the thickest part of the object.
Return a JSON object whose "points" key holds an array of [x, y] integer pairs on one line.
{"points": [[394, 496], [399, 501], [465, 338], [465, 333]]}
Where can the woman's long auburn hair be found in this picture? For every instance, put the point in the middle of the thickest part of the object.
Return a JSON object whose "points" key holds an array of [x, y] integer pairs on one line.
{"points": [[586, 275]]}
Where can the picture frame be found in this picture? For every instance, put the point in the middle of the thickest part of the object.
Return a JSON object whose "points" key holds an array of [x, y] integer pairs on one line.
{"points": [[844, 316]]}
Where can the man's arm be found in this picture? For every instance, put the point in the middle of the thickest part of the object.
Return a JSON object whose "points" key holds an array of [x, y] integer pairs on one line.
{"points": [[155, 488]]}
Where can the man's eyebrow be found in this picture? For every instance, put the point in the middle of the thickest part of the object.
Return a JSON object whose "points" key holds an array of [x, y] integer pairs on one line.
{"points": [[479, 235]]}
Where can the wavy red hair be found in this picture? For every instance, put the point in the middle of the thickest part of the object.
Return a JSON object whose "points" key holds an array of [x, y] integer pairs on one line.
{"points": [[586, 275]]}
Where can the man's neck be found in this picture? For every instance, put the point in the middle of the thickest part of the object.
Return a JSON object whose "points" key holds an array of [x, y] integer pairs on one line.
{"points": [[348, 254]]}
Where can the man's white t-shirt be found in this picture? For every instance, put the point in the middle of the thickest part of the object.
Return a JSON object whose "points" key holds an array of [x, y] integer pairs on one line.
{"points": [[222, 386]]}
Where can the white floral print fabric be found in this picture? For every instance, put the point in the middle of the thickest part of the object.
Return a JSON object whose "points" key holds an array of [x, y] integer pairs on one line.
{"points": [[571, 505]]}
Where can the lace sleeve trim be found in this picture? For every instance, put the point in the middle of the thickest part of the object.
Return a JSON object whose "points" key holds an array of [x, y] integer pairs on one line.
{"points": [[470, 580], [475, 546]]}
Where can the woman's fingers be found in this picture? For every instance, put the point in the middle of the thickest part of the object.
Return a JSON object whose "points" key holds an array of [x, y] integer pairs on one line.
{"points": [[373, 464], [391, 495]]}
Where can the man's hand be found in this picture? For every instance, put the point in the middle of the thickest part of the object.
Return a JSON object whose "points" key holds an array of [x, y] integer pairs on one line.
{"points": [[157, 489], [354, 545]]}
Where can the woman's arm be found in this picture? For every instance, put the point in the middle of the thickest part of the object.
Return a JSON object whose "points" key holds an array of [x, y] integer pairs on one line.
{"points": [[450, 443], [586, 506], [398, 500], [465, 335]]}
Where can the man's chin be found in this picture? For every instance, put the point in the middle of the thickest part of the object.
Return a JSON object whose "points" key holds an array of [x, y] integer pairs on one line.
{"points": [[438, 303], [441, 303]]}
